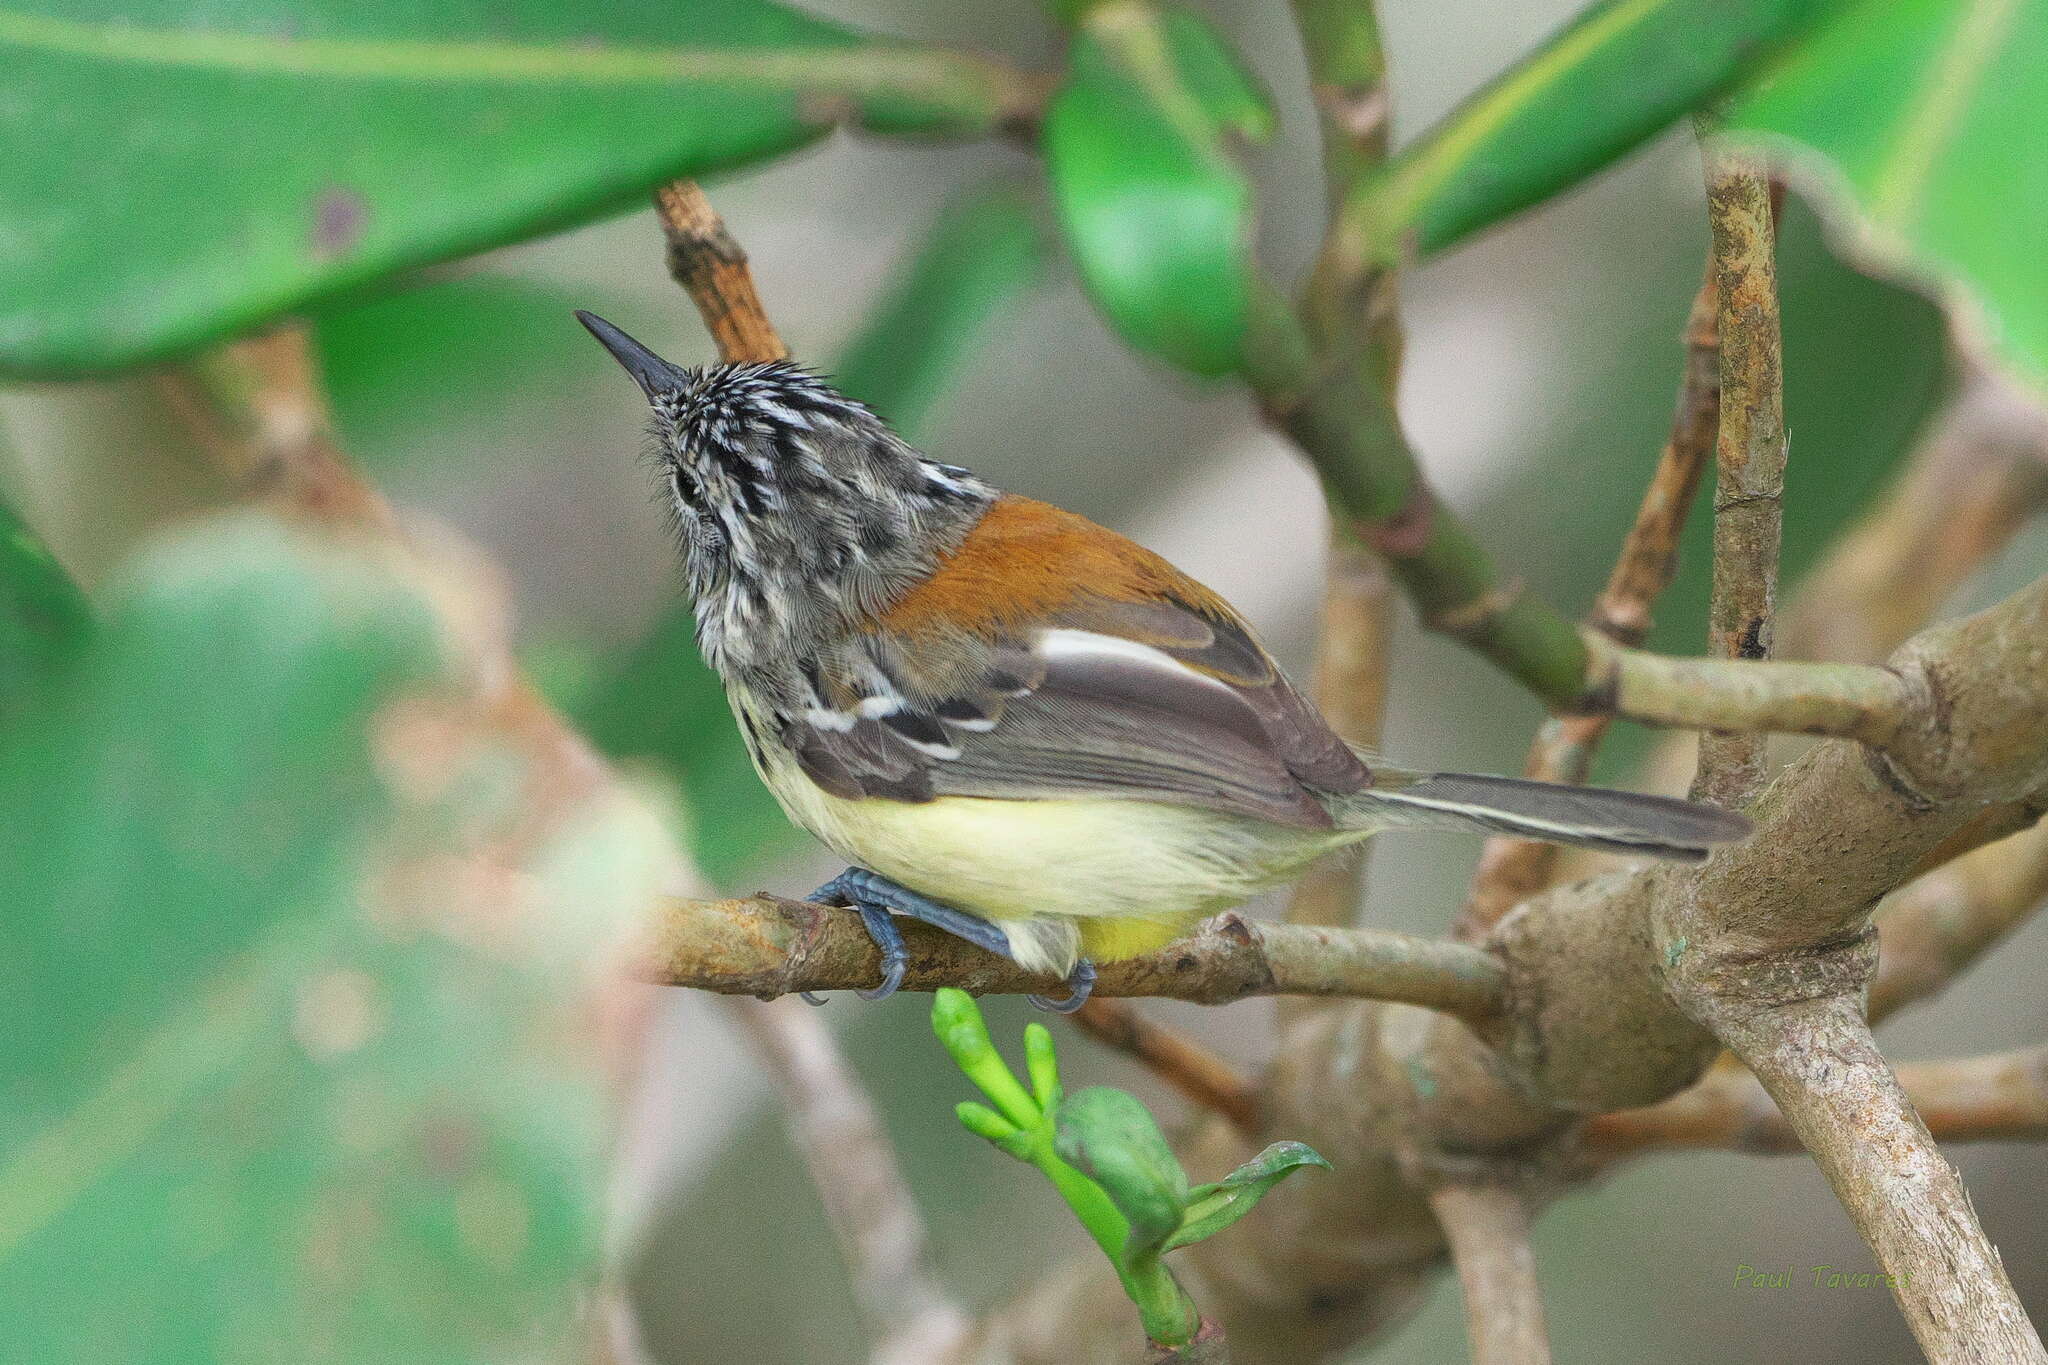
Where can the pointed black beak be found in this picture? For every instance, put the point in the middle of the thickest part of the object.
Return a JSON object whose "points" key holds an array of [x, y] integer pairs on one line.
{"points": [[650, 371]]}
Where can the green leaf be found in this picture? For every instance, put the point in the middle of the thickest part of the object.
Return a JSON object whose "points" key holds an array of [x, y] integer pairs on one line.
{"points": [[1615, 76], [961, 1030], [175, 173], [253, 1096], [43, 616], [986, 250], [1212, 1208], [1110, 1137], [1156, 211], [1925, 117]]}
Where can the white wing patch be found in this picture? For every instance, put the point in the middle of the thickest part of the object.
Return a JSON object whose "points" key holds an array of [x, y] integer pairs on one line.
{"points": [[1066, 645]]}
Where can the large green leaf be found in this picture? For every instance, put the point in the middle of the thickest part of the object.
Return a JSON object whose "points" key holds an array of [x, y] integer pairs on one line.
{"points": [[1155, 209], [253, 1103], [172, 172], [1619, 73], [1927, 116], [43, 616]]}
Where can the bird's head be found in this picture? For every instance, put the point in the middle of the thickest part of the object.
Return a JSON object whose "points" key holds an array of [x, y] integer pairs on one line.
{"points": [[779, 480]]}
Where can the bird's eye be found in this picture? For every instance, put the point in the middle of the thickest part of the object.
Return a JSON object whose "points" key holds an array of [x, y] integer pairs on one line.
{"points": [[685, 485]]}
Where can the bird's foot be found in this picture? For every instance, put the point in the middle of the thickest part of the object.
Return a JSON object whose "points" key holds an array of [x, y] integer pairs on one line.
{"points": [[1080, 984], [878, 900]]}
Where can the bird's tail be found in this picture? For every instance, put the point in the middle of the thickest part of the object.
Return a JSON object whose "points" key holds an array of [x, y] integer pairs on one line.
{"points": [[1586, 817]]}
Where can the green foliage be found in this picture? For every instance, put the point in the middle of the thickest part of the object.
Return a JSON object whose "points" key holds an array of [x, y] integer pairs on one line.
{"points": [[1103, 1151], [1156, 210], [987, 249], [43, 616], [246, 1112], [176, 173], [1619, 73], [1926, 114]]}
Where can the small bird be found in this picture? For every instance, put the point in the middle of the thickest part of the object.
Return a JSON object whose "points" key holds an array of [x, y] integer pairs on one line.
{"points": [[1016, 725]]}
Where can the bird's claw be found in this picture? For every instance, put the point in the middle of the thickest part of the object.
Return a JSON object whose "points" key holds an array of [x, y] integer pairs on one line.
{"points": [[1080, 984]]}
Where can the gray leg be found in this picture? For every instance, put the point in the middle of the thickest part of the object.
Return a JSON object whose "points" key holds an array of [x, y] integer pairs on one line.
{"points": [[876, 897]]}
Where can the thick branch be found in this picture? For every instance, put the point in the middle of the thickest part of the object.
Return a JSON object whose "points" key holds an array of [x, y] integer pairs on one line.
{"points": [[1749, 451], [1754, 698], [1202, 1077], [1819, 1062], [1487, 1227], [1996, 1098], [768, 947], [873, 1215]]}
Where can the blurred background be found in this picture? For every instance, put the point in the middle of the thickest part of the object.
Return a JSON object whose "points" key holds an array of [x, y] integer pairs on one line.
{"points": [[1541, 365]]}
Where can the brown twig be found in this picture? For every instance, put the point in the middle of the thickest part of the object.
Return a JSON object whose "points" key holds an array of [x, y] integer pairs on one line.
{"points": [[1202, 1077], [1511, 870], [713, 271], [767, 946], [1749, 451], [848, 1154], [1487, 1227], [2001, 1097]]}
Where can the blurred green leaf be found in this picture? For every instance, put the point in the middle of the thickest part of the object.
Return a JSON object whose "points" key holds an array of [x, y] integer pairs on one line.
{"points": [[248, 1107], [1926, 115], [426, 375], [1214, 1207], [1616, 75], [1111, 1138], [175, 173], [1154, 207], [43, 616], [986, 250]]}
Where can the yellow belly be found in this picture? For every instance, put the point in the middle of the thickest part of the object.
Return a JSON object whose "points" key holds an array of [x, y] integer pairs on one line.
{"points": [[1113, 878]]}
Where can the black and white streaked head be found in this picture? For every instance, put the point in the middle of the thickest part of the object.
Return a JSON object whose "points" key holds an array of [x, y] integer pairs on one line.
{"points": [[800, 513]]}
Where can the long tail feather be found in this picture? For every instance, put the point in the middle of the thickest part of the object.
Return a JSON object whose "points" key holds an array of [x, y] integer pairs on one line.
{"points": [[1586, 817]]}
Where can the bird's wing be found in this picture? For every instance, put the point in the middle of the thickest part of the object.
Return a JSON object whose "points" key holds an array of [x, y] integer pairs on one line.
{"points": [[1164, 696]]}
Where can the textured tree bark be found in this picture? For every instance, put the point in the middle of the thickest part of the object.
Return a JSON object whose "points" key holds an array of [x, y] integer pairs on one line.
{"points": [[1487, 1227]]}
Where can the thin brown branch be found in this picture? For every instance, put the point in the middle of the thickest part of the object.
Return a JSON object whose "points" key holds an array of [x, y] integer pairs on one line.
{"points": [[1817, 1059], [869, 1204], [1487, 1227], [1932, 929], [1749, 450], [1511, 870], [1351, 690], [1201, 1077], [1997, 1098], [767, 946], [713, 271], [1649, 553]]}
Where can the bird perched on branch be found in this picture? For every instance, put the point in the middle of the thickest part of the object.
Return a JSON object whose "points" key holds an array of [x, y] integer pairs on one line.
{"points": [[1018, 726]]}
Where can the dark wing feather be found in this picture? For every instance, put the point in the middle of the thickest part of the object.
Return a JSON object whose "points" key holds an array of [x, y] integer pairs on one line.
{"points": [[1153, 701]]}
